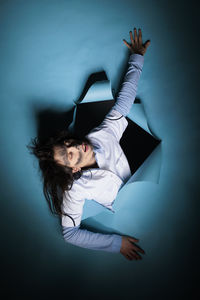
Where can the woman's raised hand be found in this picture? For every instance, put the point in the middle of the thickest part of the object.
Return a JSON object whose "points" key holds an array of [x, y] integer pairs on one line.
{"points": [[136, 46]]}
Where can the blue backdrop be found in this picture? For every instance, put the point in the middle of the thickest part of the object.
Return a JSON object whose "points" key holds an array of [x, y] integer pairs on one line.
{"points": [[47, 51]]}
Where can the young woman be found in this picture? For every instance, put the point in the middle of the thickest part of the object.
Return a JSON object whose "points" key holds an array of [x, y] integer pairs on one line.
{"points": [[94, 167]]}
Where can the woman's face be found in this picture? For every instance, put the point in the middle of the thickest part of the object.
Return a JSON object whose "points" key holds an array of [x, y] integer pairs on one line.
{"points": [[75, 155]]}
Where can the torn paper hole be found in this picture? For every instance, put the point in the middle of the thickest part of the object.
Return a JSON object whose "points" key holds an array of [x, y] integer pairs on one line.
{"points": [[141, 147]]}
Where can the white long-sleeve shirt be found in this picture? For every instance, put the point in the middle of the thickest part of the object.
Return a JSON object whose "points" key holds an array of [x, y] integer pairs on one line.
{"points": [[102, 184]]}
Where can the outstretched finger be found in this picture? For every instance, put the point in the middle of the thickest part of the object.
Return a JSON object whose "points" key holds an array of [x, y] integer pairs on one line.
{"points": [[127, 44], [135, 35], [136, 255], [128, 257], [133, 240], [140, 36], [146, 44], [138, 249], [131, 36]]}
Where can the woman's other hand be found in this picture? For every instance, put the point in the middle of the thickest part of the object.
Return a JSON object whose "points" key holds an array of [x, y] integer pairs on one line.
{"points": [[129, 250], [136, 46]]}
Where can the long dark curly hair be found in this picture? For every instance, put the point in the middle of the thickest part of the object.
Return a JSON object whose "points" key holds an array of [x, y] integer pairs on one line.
{"points": [[56, 178]]}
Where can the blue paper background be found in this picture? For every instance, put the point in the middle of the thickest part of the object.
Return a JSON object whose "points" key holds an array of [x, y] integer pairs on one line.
{"points": [[47, 51]]}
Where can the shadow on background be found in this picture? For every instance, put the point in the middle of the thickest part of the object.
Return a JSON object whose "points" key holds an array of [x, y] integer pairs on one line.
{"points": [[51, 121], [98, 76]]}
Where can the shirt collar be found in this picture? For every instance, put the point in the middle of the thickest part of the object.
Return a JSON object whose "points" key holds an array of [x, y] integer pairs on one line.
{"points": [[99, 155], [98, 149]]}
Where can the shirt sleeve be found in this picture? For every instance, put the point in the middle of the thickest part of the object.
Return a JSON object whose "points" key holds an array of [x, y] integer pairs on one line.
{"points": [[127, 93], [90, 240], [72, 233], [115, 122]]}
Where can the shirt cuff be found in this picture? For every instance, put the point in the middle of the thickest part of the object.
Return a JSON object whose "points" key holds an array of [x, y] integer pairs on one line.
{"points": [[137, 58], [117, 242]]}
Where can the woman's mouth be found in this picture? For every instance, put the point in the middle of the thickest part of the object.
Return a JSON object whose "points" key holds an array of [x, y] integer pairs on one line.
{"points": [[85, 147]]}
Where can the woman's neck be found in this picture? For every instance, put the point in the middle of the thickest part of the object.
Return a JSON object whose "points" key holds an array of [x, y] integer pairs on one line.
{"points": [[92, 163]]}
